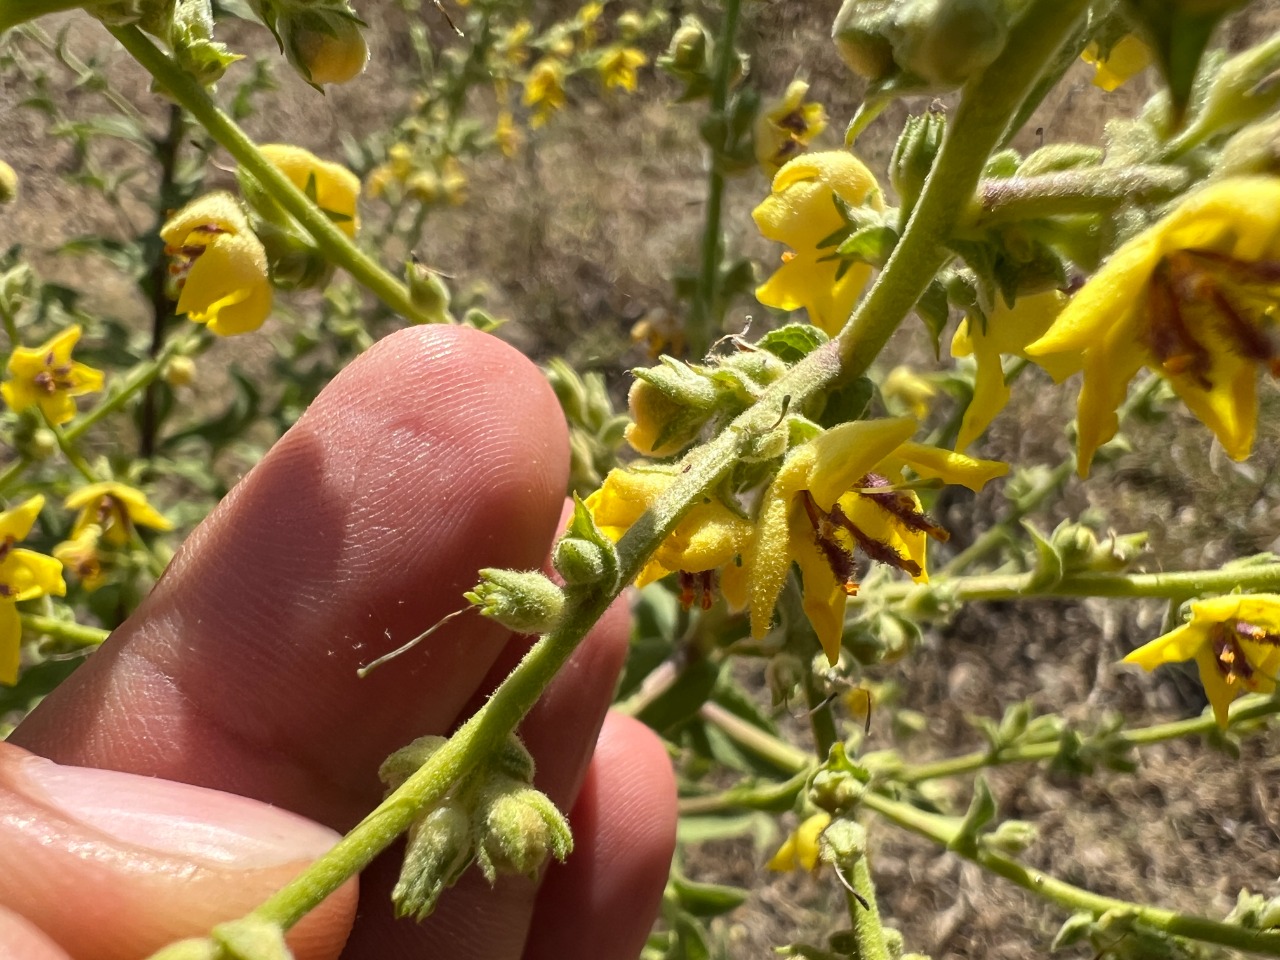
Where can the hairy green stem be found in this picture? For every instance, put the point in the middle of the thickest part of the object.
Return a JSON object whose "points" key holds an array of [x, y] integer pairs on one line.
{"points": [[65, 631], [997, 586], [986, 106], [942, 830], [1243, 710], [802, 765], [14, 12], [330, 240], [702, 315], [1086, 190], [868, 931]]}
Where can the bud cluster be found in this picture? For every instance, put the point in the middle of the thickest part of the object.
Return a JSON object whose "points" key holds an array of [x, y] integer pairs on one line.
{"points": [[496, 820]]}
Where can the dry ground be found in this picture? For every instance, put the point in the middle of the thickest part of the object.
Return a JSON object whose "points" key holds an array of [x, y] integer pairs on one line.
{"points": [[576, 242]]}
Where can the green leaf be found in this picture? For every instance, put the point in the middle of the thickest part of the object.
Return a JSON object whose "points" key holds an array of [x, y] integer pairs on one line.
{"points": [[707, 899], [1179, 32], [681, 700], [934, 311], [793, 342], [847, 403]]}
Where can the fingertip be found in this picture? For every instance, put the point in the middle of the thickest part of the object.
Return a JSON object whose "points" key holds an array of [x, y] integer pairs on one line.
{"points": [[21, 940]]}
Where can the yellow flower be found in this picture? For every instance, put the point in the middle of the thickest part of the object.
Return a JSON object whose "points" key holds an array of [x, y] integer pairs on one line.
{"points": [[453, 182], [618, 65], [1008, 331], [1234, 640], [332, 187], [1193, 298], [219, 264], [116, 508], [800, 850], [840, 492], [511, 46], [710, 536], [81, 556], [507, 135], [544, 90], [47, 377], [1128, 57], [802, 213], [24, 575], [906, 388], [587, 17], [784, 127]]}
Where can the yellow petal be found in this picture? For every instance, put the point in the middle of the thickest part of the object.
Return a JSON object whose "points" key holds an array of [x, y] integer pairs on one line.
{"points": [[824, 598], [218, 209], [17, 522], [843, 455], [228, 286], [10, 642], [935, 463], [1107, 372], [1175, 646], [337, 189], [1217, 690], [28, 575], [1230, 407]]}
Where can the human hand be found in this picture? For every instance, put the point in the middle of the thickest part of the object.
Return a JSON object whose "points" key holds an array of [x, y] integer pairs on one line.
{"points": [[439, 451]]}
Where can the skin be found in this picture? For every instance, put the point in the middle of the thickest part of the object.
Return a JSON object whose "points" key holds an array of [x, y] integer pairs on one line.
{"points": [[437, 452]]}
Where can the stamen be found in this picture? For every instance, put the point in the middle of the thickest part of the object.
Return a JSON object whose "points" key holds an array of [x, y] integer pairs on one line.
{"points": [[902, 507], [875, 549], [1255, 633], [1166, 332], [841, 561], [1231, 659]]}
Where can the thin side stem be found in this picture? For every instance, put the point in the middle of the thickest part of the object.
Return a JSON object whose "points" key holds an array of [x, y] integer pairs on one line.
{"points": [[942, 830], [698, 332], [67, 632], [1087, 190], [331, 241]]}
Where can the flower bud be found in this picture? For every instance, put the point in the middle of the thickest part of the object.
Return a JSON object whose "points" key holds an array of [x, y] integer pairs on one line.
{"points": [[660, 426], [688, 58], [945, 42], [629, 24], [1254, 150], [521, 600], [514, 760], [8, 183], [406, 761], [584, 554], [41, 445], [913, 157], [836, 791], [1011, 837], [843, 843], [179, 371], [858, 37], [1059, 156], [428, 292], [324, 46], [517, 827], [438, 850]]}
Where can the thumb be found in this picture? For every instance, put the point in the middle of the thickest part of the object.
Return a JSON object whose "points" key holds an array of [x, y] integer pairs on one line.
{"points": [[114, 865]]}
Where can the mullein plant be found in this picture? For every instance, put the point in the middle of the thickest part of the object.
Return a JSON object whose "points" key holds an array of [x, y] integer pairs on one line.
{"points": [[770, 491]]}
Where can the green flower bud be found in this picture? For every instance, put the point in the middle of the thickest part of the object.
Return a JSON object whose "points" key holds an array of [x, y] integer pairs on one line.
{"points": [[438, 850], [250, 939], [1255, 149], [580, 561], [8, 183], [913, 157], [518, 827], [843, 843], [179, 371], [859, 37], [945, 42], [1011, 837], [689, 50], [835, 791], [514, 760], [428, 292], [521, 600], [660, 425], [630, 25], [589, 550], [1059, 156], [324, 46], [404, 763]]}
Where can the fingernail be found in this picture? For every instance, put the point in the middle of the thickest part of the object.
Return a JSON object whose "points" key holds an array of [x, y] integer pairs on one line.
{"points": [[169, 817]]}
